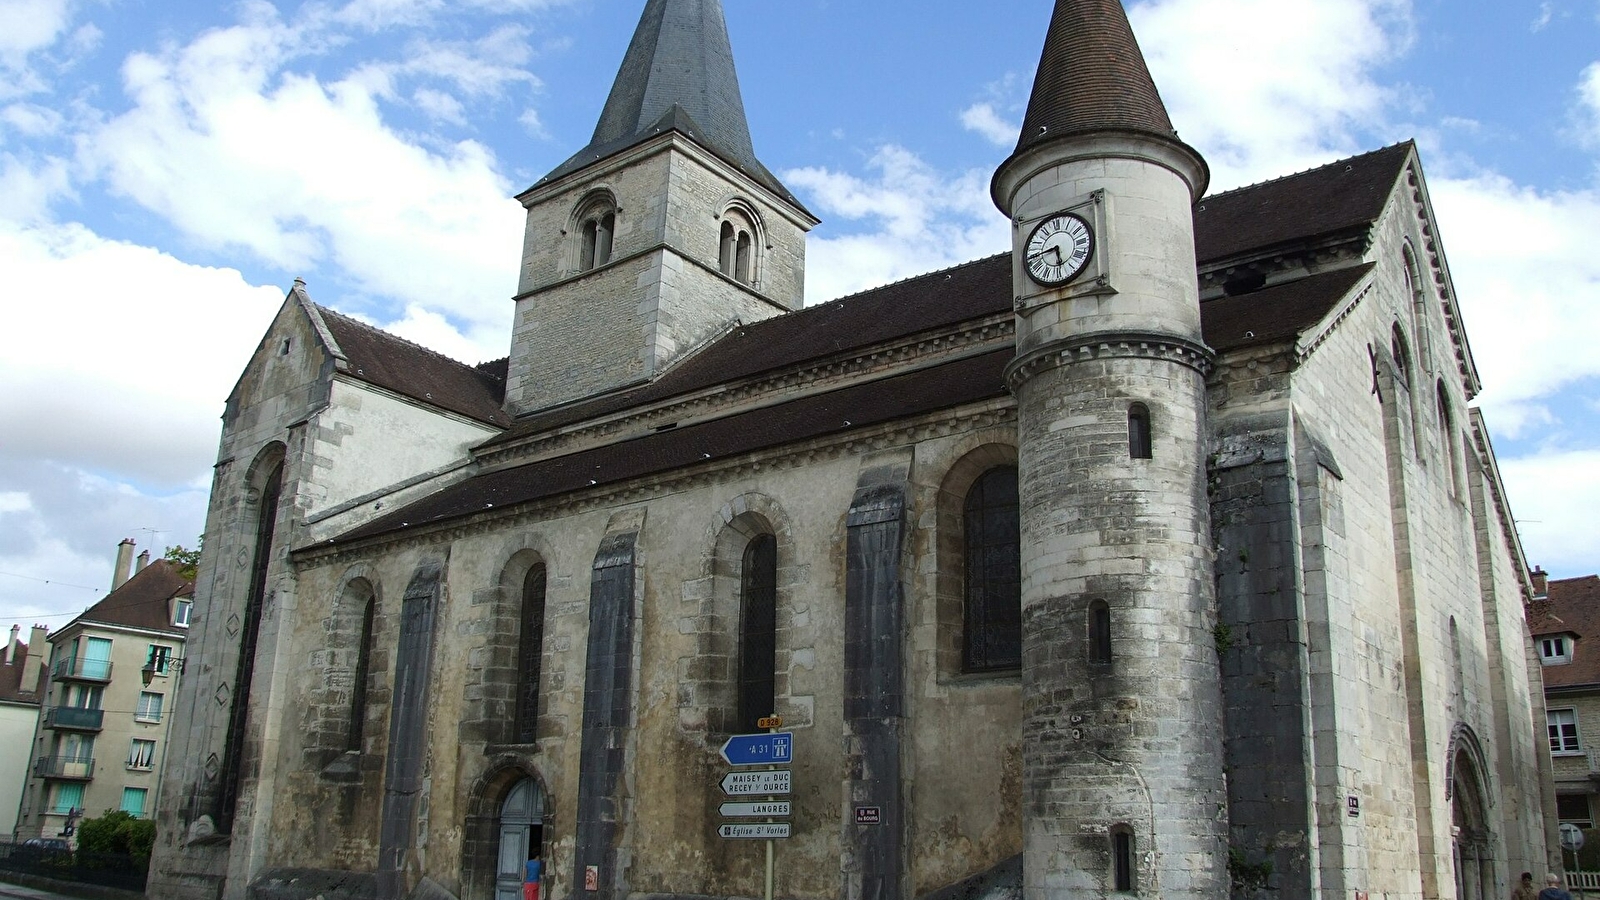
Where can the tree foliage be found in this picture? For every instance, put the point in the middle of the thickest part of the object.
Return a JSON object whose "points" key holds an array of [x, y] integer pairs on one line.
{"points": [[117, 831], [187, 561]]}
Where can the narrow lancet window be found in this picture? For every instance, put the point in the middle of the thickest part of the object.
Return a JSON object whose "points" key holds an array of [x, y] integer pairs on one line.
{"points": [[1122, 857], [758, 633], [741, 267], [726, 250], [1139, 438], [530, 652], [358, 685], [1099, 633]]}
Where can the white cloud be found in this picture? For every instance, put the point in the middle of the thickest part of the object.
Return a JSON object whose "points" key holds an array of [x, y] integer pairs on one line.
{"points": [[30, 26], [918, 219], [240, 155], [1266, 88], [1588, 112], [440, 106], [130, 356], [14, 502], [1554, 497], [982, 119], [1530, 303], [1547, 12]]}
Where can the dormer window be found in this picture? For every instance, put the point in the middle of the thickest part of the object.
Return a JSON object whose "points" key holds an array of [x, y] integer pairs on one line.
{"points": [[1555, 651], [181, 612], [737, 243]]}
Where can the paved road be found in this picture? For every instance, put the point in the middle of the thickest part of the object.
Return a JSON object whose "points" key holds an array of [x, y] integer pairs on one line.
{"points": [[18, 892]]}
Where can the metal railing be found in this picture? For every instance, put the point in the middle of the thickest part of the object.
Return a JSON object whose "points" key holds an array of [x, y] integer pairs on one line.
{"points": [[1583, 881], [82, 669], [74, 767], [74, 718]]}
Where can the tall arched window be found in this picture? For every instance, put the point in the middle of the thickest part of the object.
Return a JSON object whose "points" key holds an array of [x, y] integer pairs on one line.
{"points": [[358, 685], [1139, 436], [758, 632], [1449, 443], [530, 653], [271, 491], [993, 579]]}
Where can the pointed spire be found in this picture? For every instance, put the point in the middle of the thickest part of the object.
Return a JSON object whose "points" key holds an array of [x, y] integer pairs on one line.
{"points": [[678, 74], [1092, 77]]}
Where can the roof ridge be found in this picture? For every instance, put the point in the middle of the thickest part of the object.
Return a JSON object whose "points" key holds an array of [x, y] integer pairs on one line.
{"points": [[909, 278], [1346, 160], [398, 339]]}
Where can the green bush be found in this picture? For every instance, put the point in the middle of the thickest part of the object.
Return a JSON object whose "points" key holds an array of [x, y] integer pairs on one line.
{"points": [[117, 831]]}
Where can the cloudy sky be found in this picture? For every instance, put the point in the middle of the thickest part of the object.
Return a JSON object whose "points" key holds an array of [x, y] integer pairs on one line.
{"points": [[167, 168]]}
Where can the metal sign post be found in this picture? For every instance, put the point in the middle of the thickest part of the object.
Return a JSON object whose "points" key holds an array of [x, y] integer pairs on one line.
{"points": [[1572, 842], [768, 750]]}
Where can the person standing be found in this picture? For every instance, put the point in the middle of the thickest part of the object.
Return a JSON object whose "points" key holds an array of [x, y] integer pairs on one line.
{"points": [[1525, 890], [1552, 889]]}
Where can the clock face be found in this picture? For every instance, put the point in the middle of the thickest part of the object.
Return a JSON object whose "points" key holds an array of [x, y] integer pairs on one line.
{"points": [[1059, 249]]}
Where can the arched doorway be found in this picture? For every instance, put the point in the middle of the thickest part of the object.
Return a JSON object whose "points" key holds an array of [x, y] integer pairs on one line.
{"points": [[521, 837], [1473, 849]]}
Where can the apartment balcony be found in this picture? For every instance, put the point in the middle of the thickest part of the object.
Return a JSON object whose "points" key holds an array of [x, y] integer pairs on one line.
{"points": [[75, 668], [72, 718], [66, 768]]}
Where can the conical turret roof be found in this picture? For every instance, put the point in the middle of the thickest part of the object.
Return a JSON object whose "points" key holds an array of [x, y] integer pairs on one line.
{"points": [[1092, 77], [678, 75]]}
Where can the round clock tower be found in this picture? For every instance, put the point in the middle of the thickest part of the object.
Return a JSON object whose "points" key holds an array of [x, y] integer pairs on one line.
{"points": [[1122, 711]]}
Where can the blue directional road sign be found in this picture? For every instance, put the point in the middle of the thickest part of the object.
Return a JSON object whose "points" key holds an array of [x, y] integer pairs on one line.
{"points": [[759, 749]]}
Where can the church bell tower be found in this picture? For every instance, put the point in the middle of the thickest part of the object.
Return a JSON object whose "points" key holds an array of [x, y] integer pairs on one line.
{"points": [[661, 233], [1122, 713]]}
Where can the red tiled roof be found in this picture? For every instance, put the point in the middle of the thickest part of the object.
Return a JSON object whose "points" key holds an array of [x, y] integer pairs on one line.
{"points": [[1573, 607], [380, 358], [143, 601], [11, 687]]}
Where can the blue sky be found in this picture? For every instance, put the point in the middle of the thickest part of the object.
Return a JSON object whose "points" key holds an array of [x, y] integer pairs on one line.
{"points": [[167, 168]]}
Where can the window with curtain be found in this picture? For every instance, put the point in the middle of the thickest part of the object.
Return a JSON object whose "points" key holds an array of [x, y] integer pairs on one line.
{"points": [[133, 801], [142, 754], [149, 707]]}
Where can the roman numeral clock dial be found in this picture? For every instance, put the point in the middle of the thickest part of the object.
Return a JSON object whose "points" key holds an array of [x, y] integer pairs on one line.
{"points": [[1058, 249]]}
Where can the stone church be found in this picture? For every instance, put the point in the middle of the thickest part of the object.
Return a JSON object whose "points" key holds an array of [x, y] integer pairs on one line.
{"points": [[1159, 556]]}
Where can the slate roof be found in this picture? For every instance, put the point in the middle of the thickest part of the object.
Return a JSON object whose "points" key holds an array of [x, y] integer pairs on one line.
{"points": [[1275, 213], [1344, 196], [143, 601], [931, 302], [851, 408], [678, 75], [12, 690], [1573, 606], [378, 357], [1092, 77], [1278, 313]]}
